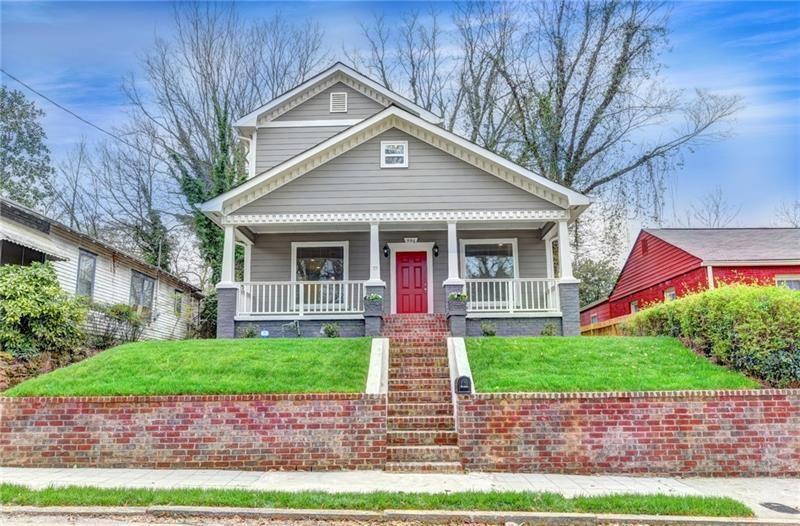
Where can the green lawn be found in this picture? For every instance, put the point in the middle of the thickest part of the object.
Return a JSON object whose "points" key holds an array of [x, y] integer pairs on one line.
{"points": [[593, 363], [377, 501], [243, 366]]}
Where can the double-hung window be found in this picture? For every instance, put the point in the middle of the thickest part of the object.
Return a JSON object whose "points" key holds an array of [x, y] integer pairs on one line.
{"points": [[315, 263], [178, 307], [87, 265], [669, 294], [142, 290]]}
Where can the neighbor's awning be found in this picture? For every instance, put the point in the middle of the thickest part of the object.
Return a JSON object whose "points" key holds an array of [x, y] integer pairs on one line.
{"points": [[30, 238]]}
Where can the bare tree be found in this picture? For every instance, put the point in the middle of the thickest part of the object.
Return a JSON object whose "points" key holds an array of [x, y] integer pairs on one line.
{"points": [[587, 97], [75, 200], [788, 214], [713, 211]]}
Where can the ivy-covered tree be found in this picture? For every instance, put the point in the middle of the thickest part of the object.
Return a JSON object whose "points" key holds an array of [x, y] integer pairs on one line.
{"points": [[226, 172], [25, 170]]}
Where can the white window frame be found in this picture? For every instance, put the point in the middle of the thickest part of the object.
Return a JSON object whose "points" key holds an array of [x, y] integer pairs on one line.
{"points": [[502, 241], [384, 144], [594, 319], [330, 102], [81, 253], [670, 294], [634, 306], [152, 299], [293, 263], [786, 277]]}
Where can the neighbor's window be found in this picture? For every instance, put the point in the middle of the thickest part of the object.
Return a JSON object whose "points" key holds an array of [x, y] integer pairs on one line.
{"points": [[634, 307], [669, 294], [87, 264], [394, 154], [791, 282], [594, 318], [178, 309], [489, 259], [320, 262], [142, 289]]}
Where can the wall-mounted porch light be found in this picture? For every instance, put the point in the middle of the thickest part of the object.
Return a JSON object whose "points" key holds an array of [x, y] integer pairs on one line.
{"points": [[386, 250], [435, 250]]}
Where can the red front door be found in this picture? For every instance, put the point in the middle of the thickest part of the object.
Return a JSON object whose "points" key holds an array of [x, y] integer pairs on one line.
{"points": [[412, 282]]}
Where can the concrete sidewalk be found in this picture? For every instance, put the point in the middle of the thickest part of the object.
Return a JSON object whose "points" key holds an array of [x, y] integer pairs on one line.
{"points": [[751, 491]]}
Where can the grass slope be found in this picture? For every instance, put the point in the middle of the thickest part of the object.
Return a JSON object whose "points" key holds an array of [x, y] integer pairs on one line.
{"points": [[242, 366], [593, 363], [377, 501]]}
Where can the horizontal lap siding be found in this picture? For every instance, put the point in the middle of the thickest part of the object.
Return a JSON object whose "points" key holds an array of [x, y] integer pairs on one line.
{"points": [[662, 261], [434, 180], [112, 284], [686, 283], [276, 145], [764, 275], [359, 106], [271, 258]]}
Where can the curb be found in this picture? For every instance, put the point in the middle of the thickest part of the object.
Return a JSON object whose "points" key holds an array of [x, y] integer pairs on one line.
{"points": [[426, 516]]}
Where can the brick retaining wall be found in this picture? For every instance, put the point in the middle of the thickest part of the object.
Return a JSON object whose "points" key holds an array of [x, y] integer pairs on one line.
{"points": [[715, 433], [265, 432]]}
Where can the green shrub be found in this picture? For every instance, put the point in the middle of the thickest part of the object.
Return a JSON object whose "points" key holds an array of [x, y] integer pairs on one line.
{"points": [[549, 329], [754, 329], [122, 323], [36, 316], [488, 328], [331, 330]]}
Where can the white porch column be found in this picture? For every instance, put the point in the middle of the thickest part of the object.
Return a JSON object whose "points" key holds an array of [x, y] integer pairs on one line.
{"points": [[229, 255], [375, 256], [564, 254], [548, 252], [248, 260], [452, 255]]}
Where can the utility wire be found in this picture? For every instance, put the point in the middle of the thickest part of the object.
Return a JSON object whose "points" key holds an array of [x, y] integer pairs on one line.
{"points": [[85, 121]]}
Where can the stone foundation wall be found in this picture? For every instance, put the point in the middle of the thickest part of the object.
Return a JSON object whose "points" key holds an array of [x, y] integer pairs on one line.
{"points": [[700, 433], [259, 432]]}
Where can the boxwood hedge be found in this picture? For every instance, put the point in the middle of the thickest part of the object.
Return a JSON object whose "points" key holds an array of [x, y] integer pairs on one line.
{"points": [[753, 329]]}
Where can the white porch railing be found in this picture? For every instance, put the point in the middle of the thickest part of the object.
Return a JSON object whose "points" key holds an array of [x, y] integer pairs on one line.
{"points": [[275, 298], [512, 295]]}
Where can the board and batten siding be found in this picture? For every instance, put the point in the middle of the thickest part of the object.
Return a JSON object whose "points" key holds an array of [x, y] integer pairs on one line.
{"points": [[434, 180], [271, 258], [276, 145], [112, 284], [359, 106]]}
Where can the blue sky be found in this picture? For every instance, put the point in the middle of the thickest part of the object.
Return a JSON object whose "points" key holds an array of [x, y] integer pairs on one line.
{"points": [[78, 53]]}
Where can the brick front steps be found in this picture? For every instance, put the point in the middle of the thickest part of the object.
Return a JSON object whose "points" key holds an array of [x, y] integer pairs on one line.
{"points": [[421, 426]]}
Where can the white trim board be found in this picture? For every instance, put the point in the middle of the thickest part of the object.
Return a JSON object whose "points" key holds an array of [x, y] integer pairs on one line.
{"points": [[305, 124], [394, 248], [337, 73], [397, 217], [394, 117]]}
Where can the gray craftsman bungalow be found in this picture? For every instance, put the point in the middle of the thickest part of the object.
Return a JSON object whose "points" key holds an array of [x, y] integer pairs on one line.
{"points": [[354, 192]]}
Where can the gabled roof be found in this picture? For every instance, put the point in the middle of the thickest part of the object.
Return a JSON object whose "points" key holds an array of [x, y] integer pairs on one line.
{"points": [[717, 245], [394, 117], [340, 69]]}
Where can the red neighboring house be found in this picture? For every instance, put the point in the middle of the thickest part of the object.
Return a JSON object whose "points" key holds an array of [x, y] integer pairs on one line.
{"points": [[667, 263]]}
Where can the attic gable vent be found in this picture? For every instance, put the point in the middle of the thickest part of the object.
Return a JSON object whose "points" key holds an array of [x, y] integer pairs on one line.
{"points": [[339, 102]]}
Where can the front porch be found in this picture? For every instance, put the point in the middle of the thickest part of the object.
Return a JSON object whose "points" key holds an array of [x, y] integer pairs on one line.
{"points": [[300, 276]]}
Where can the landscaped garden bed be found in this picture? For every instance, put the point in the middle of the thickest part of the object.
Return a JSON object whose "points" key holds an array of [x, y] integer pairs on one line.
{"points": [[244, 366], [378, 501], [573, 364]]}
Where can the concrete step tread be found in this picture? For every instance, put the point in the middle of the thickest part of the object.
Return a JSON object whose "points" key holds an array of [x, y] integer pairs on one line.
{"points": [[440, 467]]}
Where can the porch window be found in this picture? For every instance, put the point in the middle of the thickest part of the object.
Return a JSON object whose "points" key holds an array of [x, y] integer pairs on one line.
{"points": [[489, 258], [316, 263], [394, 154], [142, 289]]}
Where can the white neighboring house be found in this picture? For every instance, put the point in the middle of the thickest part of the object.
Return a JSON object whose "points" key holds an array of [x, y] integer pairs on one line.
{"points": [[92, 268]]}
